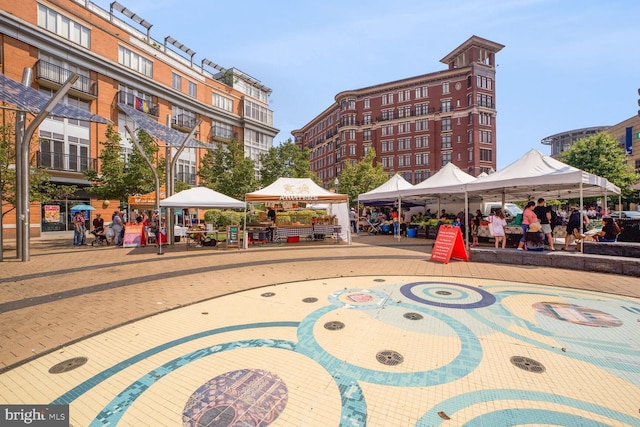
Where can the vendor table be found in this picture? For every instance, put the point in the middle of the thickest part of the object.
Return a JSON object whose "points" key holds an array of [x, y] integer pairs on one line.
{"points": [[309, 232]]}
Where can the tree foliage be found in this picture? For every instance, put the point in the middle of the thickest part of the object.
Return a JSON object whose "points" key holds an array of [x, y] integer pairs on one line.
{"points": [[286, 160], [118, 179], [226, 170], [361, 177], [602, 155], [41, 189]]}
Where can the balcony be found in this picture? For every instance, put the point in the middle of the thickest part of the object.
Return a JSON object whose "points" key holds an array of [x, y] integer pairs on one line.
{"points": [[219, 133], [54, 76], [138, 103], [65, 162], [183, 122]]}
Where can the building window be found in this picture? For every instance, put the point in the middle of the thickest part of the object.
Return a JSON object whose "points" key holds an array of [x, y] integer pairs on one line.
{"points": [[404, 144], [221, 130], [387, 145], [486, 155], [387, 114], [63, 26], [176, 81], [421, 92], [193, 89], [352, 134], [367, 103], [422, 141], [387, 162], [404, 127], [366, 120], [446, 123], [422, 109], [352, 149], [485, 136], [446, 141], [420, 176], [367, 148], [387, 98], [421, 125], [445, 87], [366, 135], [445, 106], [182, 117], [404, 95], [404, 111], [485, 100], [422, 159], [485, 119], [222, 102], [484, 82], [446, 157], [470, 154], [134, 61], [470, 137], [404, 160], [258, 112], [351, 104], [387, 130]]}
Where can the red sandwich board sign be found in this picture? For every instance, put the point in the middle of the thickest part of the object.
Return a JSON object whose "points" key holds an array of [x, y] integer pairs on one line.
{"points": [[449, 244]]}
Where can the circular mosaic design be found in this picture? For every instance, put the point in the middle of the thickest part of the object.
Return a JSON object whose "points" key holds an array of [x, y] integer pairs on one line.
{"points": [[268, 294], [527, 364], [468, 296], [577, 314], [358, 298], [247, 397], [310, 299], [413, 316], [68, 365], [389, 357], [334, 325]]}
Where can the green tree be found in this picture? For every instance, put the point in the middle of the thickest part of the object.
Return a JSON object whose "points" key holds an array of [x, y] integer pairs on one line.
{"points": [[285, 160], [602, 155], [119, 179], [361, 177], [226, 170]]}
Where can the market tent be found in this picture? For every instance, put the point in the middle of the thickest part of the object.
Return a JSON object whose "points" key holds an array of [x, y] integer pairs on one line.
{"points": [[201, 198], [306, 191], [537, 175], [450, 176], [387, 192]]}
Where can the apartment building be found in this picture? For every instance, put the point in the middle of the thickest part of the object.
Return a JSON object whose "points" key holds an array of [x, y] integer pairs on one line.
{"points": [[415, 125], [120, 62]]}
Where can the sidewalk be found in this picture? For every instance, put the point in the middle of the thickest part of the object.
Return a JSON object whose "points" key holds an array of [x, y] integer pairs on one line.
{"points": [[111, 306]]}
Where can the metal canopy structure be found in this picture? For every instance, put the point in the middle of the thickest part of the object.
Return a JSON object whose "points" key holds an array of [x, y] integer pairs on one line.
{"points": [[158, 130], [32, 101]]}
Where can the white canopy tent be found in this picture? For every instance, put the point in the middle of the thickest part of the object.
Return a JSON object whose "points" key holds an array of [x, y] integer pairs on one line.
{"points": [[306, 191], [388, 191], [203, 198]]}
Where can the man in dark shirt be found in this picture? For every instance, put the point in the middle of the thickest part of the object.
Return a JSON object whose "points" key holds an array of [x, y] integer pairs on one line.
{"points": [[544, 216]]}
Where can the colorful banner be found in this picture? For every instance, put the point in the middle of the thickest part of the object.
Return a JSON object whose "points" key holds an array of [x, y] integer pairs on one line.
{"points": [[51, 213]]}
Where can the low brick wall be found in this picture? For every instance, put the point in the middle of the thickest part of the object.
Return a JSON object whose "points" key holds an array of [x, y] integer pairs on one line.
{"points": [[570, 260], [623, 249]]}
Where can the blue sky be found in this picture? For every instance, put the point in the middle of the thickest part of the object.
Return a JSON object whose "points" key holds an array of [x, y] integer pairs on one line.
{"points": [[566, 64]]}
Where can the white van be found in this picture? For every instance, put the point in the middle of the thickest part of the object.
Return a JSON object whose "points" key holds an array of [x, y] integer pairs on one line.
{"points": [[510, 210]]}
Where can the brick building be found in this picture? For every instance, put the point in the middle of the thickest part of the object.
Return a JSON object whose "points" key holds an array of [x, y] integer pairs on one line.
{"points": [[119, 62], [415, 125]]}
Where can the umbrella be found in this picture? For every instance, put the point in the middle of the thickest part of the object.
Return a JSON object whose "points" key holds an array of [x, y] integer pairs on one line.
{"points": [[77, 208]]}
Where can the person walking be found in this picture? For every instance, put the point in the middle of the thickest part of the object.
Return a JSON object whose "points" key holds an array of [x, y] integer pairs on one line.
{"points": [[77, 229], [543, 212], [573, 227], [352, 220], [528, 218], [117, 224]]}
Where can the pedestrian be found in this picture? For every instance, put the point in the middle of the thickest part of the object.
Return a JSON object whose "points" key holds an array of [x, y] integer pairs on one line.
{"points": [[528, 218], [543, 212], [475, 226], [117, 224], [77, 229], [610, 230], [352, 220], [534, 238], [396, 221], [573, 227], [498, 222]]}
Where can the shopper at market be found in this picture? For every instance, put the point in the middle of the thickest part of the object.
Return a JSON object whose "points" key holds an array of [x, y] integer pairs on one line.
{"points": [[498, 222], [543, 212], [528, 218]]}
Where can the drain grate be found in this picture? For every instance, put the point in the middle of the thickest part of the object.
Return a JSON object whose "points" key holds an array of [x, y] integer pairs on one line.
{"points": [[68, 365], [310, 299], [389, 357], [527, 364], [268, 294], [334, 325], [379, 280], [443, 292], [413, 316]]}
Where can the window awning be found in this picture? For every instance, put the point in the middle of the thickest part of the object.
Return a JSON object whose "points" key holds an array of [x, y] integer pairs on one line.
{"points": [[32, 101]]}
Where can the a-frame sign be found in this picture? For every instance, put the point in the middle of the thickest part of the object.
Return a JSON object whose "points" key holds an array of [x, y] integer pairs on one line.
{"points": [[449, 244]]}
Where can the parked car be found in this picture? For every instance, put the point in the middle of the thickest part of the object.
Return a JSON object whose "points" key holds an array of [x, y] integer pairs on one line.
{"points": [[626, 214]]}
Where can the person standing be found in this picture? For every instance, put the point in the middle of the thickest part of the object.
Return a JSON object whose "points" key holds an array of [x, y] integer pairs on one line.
{"points": [[475, 226], [352, 220], [528, 218], [498, 222], [77, 229], [117, 224], [543, 212], [573, 227]]}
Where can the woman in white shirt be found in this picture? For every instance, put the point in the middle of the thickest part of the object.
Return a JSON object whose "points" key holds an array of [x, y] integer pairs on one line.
{"points": [[497, 222]]}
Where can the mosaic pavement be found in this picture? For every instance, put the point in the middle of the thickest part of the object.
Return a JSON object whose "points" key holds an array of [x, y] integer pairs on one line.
{"points": [[360, 351]]}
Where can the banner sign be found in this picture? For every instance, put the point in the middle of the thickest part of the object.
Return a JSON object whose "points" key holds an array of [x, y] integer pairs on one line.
{"points": [[132, 236], [449, 244]]}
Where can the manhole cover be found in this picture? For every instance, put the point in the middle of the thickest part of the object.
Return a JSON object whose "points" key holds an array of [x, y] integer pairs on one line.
{"points": [[379, 280], [528, 364], [310, 299], [334, 325], [389, 357], [268, 294], [413, 316], [68, 365], [443, 292]]}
